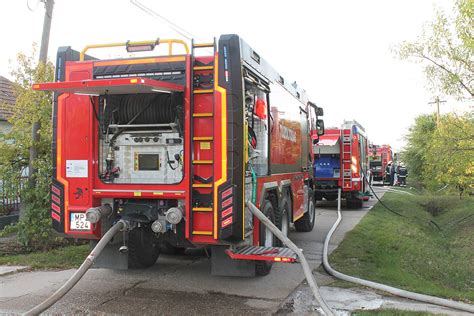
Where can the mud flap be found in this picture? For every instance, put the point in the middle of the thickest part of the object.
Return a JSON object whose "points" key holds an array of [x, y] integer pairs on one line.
{"points": [[110, 257], [223, 265]]}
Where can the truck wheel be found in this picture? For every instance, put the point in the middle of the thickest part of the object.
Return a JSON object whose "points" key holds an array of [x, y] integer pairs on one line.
{"points": [[168, 249], [306, 223], [266, 239], [354, 203], [143, 251], [282, 218], [319, 196]]}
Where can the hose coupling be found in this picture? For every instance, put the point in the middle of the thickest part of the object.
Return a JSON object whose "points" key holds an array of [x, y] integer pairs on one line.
{"points": [[94, 214]]}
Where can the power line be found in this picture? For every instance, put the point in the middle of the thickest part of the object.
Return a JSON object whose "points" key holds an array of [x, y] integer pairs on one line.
{"points": [[172, 25]]}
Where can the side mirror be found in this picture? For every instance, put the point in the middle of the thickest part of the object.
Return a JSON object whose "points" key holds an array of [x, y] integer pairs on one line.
{"points": [[319, 111], [320, 127]]}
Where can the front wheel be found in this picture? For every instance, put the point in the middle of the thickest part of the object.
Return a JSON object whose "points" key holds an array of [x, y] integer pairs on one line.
{"points": [[143, 250], [306, 223]]}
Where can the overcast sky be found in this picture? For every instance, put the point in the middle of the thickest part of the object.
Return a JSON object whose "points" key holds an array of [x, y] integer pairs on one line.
{"points": [[338, 51]]}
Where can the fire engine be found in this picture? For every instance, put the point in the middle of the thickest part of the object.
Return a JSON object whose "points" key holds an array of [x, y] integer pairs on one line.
{"points": [[341, 161], [177, 144], [379, 157]]}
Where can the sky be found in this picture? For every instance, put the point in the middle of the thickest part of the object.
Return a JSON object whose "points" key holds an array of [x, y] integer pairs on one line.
{"points": [[338, 51]]}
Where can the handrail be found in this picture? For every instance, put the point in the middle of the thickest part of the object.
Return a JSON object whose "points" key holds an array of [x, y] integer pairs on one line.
{"points": [[170, 43]]}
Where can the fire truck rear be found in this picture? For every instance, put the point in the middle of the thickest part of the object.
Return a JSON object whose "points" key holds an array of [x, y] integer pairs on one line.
{"points": [[176, 145], [379, 157], [341, 161]]}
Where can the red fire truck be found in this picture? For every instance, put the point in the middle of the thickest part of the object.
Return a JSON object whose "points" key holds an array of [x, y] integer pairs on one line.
{"points": [[176, 145], [339, 156], [379, 157]]}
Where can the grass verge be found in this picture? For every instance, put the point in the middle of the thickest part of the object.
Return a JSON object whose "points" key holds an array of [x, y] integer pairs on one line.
{"points": [[410, 253], [59, 258]]}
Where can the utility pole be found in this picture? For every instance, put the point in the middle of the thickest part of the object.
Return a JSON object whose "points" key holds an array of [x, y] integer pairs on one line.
{"points": [[48, 15], [437, 101]]}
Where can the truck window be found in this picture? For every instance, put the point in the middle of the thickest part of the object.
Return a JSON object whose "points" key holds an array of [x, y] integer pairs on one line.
{"points": [[256, 104]]}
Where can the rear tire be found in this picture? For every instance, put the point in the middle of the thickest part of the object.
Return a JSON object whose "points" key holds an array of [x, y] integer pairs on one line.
{"points": [[282, 218], [306, 223], [143, 250], [267, 239], [354, 203]]}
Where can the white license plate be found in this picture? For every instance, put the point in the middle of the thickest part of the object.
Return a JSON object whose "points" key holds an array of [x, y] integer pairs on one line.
{"points": [[79, 222]]}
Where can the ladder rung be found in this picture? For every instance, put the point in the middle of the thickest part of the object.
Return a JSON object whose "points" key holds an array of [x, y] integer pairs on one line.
{"points": [[203, 138], [201, 232], [202, 185], [203, 115], [202, 209], [199, 45], [202, 162], [203, 91], [203, 67]]}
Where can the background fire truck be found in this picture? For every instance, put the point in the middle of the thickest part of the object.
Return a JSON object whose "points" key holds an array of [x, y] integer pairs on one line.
{"points": [[339, 156], [176, 145], [379, 157]]}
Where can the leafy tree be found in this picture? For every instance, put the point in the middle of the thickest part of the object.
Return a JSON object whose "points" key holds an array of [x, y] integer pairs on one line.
{"points": [[451, 152], [419, 140], [445, 48], [441, 154], [34, 227]]}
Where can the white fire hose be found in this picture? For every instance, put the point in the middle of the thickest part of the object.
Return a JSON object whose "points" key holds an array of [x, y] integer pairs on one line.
{"points": [[120, 225], [383, 287], [304, 264]]}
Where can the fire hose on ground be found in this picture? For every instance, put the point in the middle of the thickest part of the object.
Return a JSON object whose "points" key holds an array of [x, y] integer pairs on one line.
{"points": [[389, 289], [119, 226], [304, 264]]}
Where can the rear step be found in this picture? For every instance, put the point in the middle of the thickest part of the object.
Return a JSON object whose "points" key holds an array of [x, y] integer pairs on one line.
{"points": [[276, 254]]}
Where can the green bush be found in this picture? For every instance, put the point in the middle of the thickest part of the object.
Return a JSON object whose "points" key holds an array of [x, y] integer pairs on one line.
{"points": [[34, 227]]}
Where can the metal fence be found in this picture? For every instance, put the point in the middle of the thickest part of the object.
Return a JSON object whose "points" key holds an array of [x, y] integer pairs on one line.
{"points": [[10, 194]]}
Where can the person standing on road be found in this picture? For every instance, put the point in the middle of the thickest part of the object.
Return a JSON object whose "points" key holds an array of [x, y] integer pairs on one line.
{"points": [[392, 173], [402, 174], [387, 172]]}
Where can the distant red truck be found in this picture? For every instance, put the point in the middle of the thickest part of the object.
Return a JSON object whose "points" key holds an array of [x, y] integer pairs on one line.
{"points": [[339, 156], [379, 157]]}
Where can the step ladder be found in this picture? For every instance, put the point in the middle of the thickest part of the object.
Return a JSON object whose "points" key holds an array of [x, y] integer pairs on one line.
{"points": [[202, 144], [346, 136], [275, 254]]}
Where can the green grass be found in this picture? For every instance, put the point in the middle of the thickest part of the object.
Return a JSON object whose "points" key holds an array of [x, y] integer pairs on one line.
{"points": [[60, 258], [409, 252], [389, 312]]}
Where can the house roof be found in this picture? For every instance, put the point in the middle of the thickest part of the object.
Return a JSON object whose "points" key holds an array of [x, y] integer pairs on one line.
{"points": [[7, 99]]}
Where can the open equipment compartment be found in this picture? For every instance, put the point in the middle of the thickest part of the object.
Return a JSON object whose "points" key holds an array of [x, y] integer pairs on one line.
{"points": [[141, 138]]}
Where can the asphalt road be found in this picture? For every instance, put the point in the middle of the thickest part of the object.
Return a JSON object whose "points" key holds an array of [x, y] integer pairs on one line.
{"points": [[177, 284]]}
